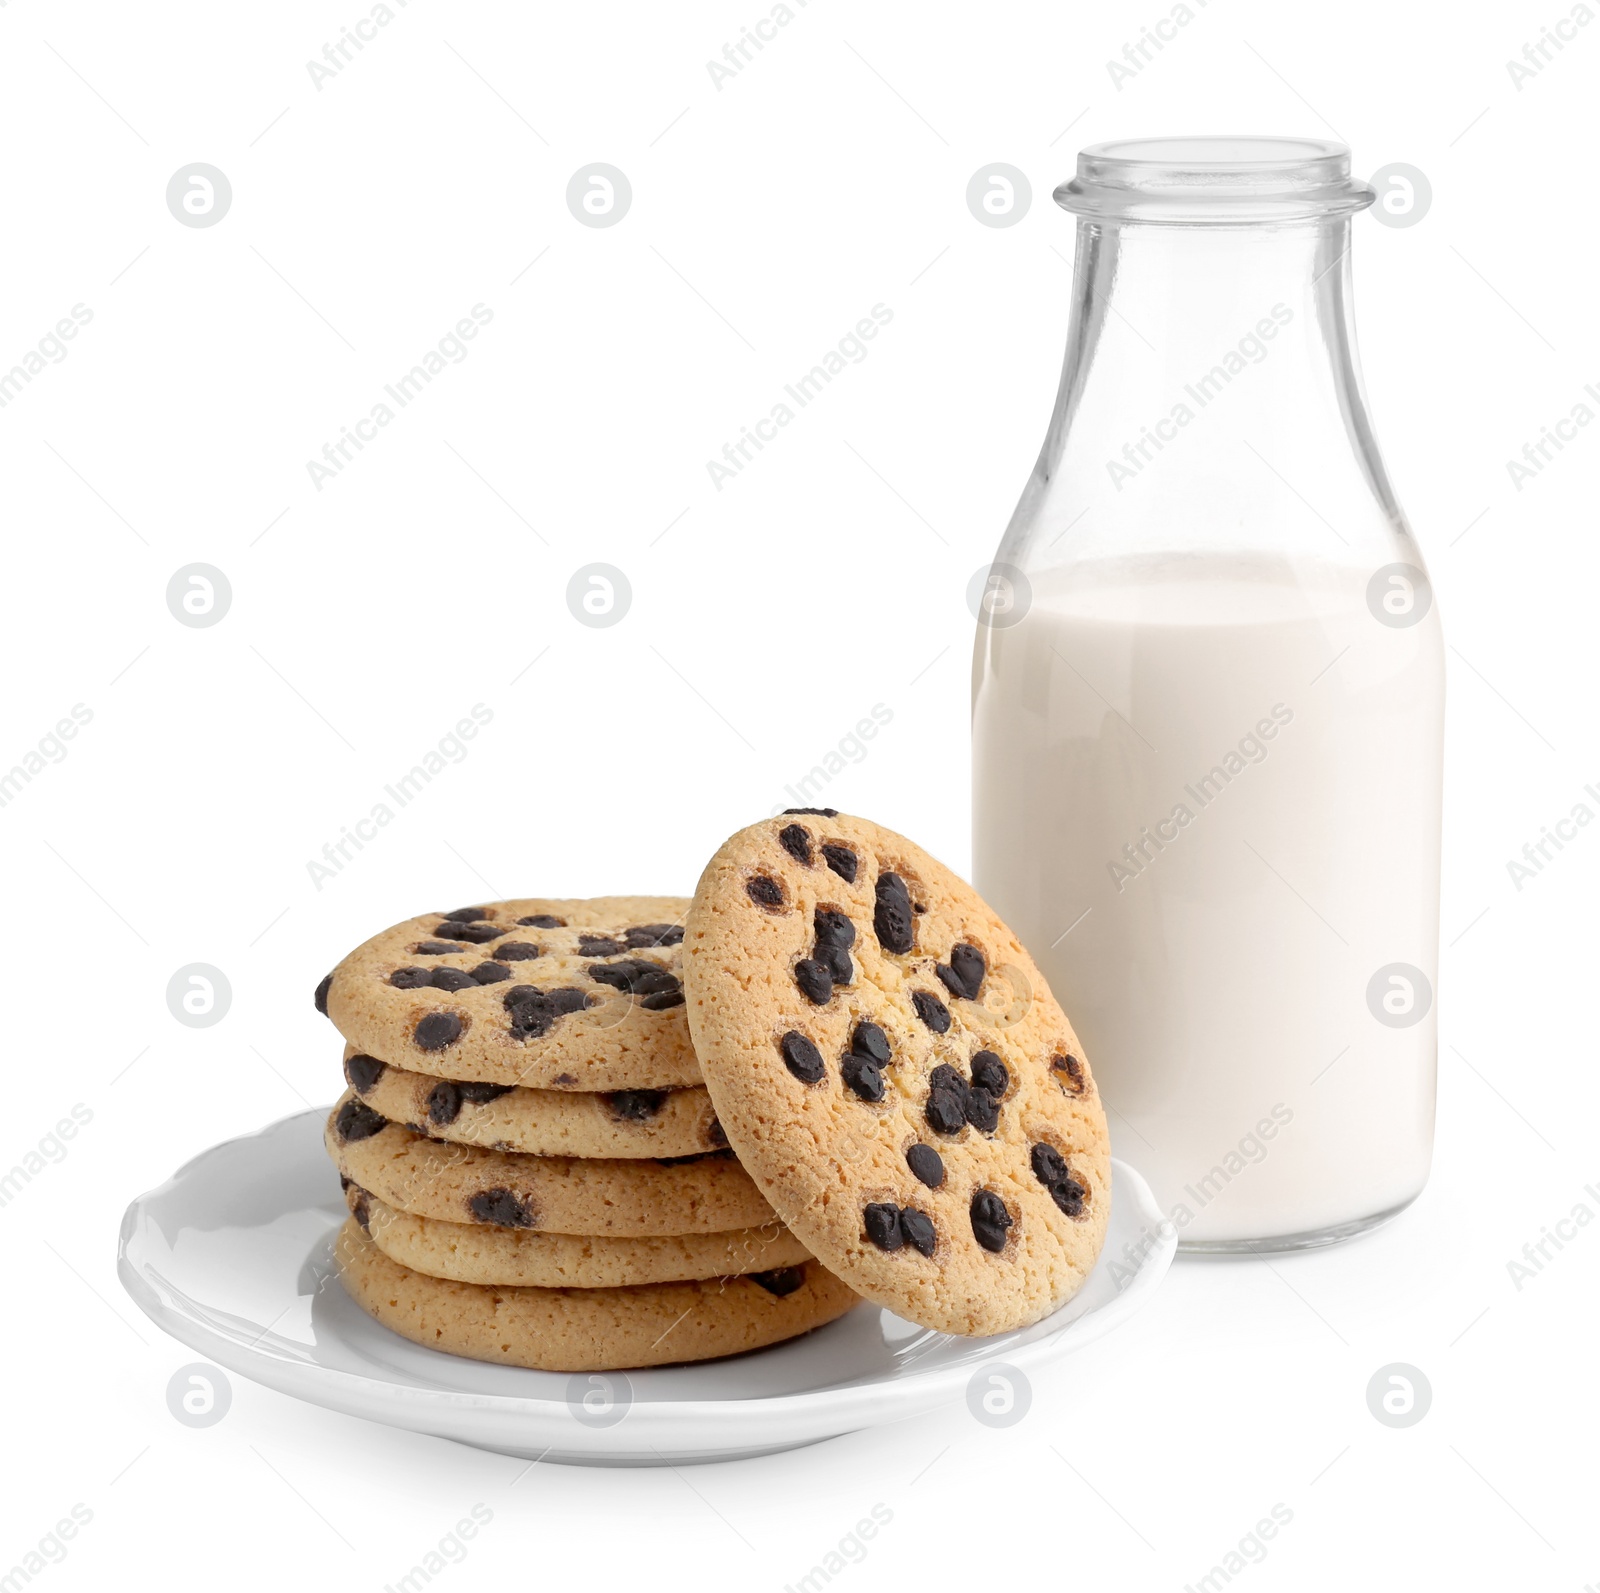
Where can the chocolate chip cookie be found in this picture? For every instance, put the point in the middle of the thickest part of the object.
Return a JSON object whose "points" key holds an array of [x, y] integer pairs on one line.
{"points": [[555, 1194], [588, 1330], [523, 1258], [892, 1069], [553, 995], [506, 1117]]}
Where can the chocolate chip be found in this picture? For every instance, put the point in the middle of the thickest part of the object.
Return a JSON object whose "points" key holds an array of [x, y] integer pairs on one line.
{"points": [[517, 951], [490, 973], [320, 996], [945, 1112], [963, 977], [983, 1110], [467, 915], [841, 860], [815, 981], [600, 945], [566, 1079], [542, 921], [780, 1281], [990, 1073], [637, 1106], [501, 1207], [861, 1074], [891, 918], [363, 1071], [870, 1041], [477, 934], [437, 1030], [662, 1001], [357, 1120], [931, 1010], [716, 1134], [833, 929], [534, 1011], [1049, 1165], [656, 989], [926, 1163], [821, 813], [795, 839], [655, 935], [920, 1234], [437, 948], [653, 984], [802, 1058], [362, 1213], [764, 891], [444, 1102], [890, 1227], [837, 961], [409, 978], [451, 979], [1069, 1073], [482, 1094], [968, 961], [990, 1219], [1066, 1189], [1070, 1195], [636, 975], [882, 1222]]}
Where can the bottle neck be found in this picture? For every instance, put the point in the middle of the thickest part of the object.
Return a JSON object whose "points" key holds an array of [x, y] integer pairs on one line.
{"points": [[1245, 317], [1209, 354]]}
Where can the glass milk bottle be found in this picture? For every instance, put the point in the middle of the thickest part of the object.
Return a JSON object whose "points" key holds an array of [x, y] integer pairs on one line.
{"points": [[1208, 694]]}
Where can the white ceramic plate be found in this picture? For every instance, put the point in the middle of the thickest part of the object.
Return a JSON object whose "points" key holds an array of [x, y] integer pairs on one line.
{"points": [[232, 1255]]}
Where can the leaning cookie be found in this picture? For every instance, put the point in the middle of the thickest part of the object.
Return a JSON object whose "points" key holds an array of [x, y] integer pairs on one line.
{"points": [[625, 1123], [892, 1069], [588, 1330], [475, 1253], [556, 1194], [554, 995]]}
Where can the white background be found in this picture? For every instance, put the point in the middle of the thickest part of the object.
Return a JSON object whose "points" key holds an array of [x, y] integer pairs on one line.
{"points": [[829, 175]]}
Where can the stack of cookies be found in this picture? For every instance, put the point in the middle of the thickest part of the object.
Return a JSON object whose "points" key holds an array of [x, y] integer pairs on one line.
{"points": [[533, 1166], [590, 1135]]}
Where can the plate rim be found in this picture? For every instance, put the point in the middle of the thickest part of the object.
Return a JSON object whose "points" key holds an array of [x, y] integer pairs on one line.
{"points": [[876, 1397]]}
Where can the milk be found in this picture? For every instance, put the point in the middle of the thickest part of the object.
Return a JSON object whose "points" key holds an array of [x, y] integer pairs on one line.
{"points": [[1207, 798]]}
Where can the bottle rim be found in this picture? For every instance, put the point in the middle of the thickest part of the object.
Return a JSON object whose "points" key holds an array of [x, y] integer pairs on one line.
{"points": [[1207, 179]]}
